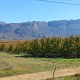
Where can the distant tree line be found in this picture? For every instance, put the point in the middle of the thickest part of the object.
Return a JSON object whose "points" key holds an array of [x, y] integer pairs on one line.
{"points": [[49, 47]]}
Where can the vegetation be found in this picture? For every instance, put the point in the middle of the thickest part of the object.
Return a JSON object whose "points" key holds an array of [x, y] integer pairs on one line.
{"points": [[52, 52], [73, 77], [49, 47], [12, 64]]}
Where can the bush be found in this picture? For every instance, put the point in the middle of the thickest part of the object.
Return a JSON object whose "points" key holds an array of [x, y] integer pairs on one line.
{"points": [[49, 47]]}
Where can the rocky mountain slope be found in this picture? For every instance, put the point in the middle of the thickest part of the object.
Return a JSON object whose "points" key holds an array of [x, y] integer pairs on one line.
{"points": [[37, 29]]}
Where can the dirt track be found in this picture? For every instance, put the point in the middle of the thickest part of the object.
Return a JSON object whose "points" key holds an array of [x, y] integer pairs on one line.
{"points": [[43, 75]]}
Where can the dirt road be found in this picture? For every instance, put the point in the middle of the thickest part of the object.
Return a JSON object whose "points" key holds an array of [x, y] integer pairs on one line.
{"points": [[43, 75]]}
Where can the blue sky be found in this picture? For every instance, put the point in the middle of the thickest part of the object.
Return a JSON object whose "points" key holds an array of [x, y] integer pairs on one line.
{"points": [[33, 10]]}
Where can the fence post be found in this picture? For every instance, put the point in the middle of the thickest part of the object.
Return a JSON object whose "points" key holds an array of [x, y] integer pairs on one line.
{"points": [[54, 73]]}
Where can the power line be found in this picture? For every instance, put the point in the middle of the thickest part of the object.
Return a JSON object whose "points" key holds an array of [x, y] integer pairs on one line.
{"points": [[75, 1], [60, 2]]}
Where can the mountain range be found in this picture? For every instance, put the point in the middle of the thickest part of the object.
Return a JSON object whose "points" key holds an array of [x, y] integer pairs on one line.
{"points": [[39, 29]]}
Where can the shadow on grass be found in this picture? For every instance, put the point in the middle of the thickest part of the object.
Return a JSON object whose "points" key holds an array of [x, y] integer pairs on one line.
{"points": [[44, 56], [77, 76]]}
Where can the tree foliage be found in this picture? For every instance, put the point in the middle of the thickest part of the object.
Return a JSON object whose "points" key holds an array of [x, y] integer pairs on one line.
{"points": [[47, 47]]}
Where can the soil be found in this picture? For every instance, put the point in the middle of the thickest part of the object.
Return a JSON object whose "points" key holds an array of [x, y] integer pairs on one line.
{"points": [[44, 75]]}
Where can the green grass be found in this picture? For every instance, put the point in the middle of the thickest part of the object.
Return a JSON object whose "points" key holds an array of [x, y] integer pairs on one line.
{"points": [[13, 64], [73, 77]]}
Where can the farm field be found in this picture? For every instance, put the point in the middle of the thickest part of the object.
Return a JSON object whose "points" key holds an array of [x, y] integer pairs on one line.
{"points": [[14, 64]]}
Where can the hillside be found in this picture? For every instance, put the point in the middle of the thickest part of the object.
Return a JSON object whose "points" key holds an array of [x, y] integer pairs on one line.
{"points": [[37, 29]]}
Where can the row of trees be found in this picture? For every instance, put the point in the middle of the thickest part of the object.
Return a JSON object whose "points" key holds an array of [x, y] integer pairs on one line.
{"points": [[48, 47]]}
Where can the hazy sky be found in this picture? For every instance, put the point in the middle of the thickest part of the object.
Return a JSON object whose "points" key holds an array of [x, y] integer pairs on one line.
{"points": [[33, 10]]}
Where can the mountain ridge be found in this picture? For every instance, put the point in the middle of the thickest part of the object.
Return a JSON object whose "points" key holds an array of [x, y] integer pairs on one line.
{"points": [[38, 29]]}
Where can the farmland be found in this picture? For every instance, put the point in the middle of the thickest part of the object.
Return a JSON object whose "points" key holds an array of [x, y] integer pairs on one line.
{"points": [[14, 64], [39, 55]]}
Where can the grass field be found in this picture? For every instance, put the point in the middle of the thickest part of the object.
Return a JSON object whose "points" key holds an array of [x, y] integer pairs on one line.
{"points": [[73, 77], [13, 64]]}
